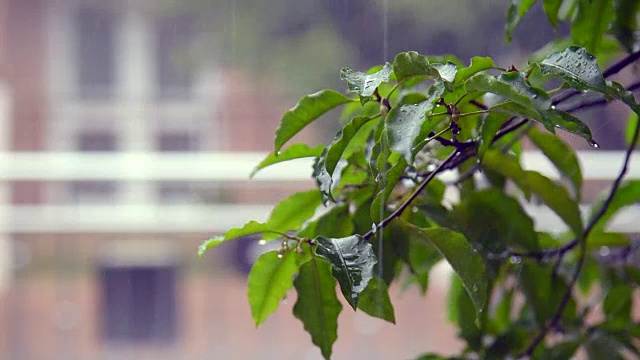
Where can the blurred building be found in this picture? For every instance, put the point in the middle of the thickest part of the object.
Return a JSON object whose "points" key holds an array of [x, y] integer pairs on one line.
{"points": [[107, 130]]}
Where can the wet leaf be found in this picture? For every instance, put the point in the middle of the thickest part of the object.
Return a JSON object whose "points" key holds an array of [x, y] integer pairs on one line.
{"points": [[464, 260], [543, 291], [403, 126], [561, 156], [317, 305], [375, 301], [269, 280], [352, 260], [295, 151], [365, 84], [577, 67], [409, 64], [341, 141], [385, 187], [308, 109], [617, 306]]}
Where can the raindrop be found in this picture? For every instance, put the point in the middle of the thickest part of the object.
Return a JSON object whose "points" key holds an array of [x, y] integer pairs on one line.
{"points": [[605, 251], [374, 228], [262, 242], [474, 288], [278, 153], [593, 143], [515, 259], [279, 256], [553, 107]]}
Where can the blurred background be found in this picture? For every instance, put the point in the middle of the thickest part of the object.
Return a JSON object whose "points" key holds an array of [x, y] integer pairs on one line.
{"points": [[128, 129]]}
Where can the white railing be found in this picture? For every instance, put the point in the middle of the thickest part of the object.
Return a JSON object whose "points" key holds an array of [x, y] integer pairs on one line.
{"points": [[223, 167]]}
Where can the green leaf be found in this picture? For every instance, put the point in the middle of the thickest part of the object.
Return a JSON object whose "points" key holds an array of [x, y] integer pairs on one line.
{"points": [[317, 305], [619, 92], [409, 64], [562, 156], [478, 63], [295, 151], [404, 126], [308, 109], [490, 127], [365, 84], [517, 9], [496, 221], [292, 212], [515, 109], [341, 141], [464, 260], [323, 179], [577, 67], [599, 239], [337, 222], [463, 313], [447, 73], [602, 346], [250, 228], [557, 199], [627, 194], [551, 9], [562, 351], [385, 187], [567, 122], [269, 280], [617, 306], [375, 301], [632, 122], [625, 25], [352, 260], [509, 167], [543, 291], [512, 86], [591, 23]]}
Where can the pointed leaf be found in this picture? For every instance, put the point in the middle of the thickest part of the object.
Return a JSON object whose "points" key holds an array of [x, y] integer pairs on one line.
{"points": [[551, 9], [625, 25], [308, 109], [591, 23], [619, 92], [515, 109], [464, 260], [292, 212], [490, 127], [404, 125], [478, 63], [365, 84], [517, 9], [543, 291], [628, 194], [561, 156], [295, 151], [269, 280], [317, 305], [386, 186], [352, 260], [567, 122], [509, 167], [447, 73], [557, 199], [250, 228], [496, 222], [512, 86], [375, 301], [341, 141], [577, 67]]}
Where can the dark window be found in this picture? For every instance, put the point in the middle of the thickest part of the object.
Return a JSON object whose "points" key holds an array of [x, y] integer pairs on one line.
{"points": [[139, 304], [95, 141], [177, 191], [174, 75], [95, 31]]}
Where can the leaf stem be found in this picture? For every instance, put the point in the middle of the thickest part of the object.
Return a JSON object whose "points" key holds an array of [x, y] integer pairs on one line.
{"points": [[413, 196]]}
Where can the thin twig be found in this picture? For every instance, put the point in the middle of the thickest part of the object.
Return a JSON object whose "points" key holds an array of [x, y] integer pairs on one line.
{"points": [[582, 241], [412, 197]]}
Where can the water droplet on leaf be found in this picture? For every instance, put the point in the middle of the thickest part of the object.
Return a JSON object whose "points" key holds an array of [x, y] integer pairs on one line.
{"points": [[604, 251], [279, 256], [593, 143], [515, 259], [262, 242]]}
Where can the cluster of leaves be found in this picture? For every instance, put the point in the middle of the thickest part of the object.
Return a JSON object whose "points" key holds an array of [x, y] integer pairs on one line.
{"points": [[378, 192]]}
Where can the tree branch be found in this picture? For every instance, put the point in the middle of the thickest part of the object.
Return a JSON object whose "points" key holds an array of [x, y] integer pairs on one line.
{"points": [[582, 242], [413, 196]]}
